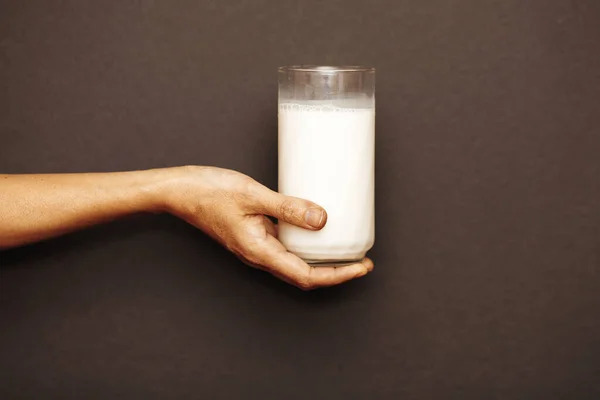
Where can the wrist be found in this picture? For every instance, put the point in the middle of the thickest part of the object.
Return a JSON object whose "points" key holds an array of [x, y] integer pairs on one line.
{"points": [[154, 188], [169, 186]]}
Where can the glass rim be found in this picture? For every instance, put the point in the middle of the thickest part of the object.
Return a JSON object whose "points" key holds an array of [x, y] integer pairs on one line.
{"points": [[325, 68]]}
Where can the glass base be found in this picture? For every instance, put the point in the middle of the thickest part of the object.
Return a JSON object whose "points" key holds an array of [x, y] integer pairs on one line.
{"points": [[333, 263]]}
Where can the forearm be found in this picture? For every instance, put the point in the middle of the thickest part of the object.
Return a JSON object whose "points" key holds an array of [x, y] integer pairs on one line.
{"points": [[37, 207]]}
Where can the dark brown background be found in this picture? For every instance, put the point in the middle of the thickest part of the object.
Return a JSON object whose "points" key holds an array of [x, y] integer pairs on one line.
{"points": [[487, 281]]}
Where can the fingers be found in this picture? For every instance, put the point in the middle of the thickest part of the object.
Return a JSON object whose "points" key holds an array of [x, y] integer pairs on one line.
{"points": [[298, 212], [271, 228], [329, 276], [274, 258]]}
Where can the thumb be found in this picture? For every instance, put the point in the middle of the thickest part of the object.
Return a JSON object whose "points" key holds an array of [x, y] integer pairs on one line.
{"points": [[295, 211]]}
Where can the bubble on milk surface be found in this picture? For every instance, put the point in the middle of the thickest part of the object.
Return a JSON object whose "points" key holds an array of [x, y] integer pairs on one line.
{"points": [[323, 107]]}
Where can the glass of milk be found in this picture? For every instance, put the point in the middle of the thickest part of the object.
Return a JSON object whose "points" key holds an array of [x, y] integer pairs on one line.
{"points": [[327, 155]]}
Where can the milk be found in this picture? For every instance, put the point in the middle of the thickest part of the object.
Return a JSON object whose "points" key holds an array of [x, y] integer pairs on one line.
{"points": [[326, 155]]}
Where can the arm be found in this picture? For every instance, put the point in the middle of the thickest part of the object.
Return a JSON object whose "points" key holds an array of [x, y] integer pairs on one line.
{"points": [[228, 206], [38, 207]]}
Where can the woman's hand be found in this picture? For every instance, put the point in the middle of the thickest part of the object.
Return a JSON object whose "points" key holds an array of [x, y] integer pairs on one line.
{"points": [[232, 209]]}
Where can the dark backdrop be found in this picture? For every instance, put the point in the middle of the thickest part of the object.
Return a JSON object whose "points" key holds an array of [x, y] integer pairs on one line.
{"points": [[487, 280]]}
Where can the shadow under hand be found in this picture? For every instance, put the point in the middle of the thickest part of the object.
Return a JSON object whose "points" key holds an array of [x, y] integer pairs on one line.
{"points": [[93, 237]]}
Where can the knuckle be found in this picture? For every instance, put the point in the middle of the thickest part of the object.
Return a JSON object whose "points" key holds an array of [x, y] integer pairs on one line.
{"points": [[248, 186], [287, 210], [248, 192], [234, 244], [236, 183], [251, 252]]}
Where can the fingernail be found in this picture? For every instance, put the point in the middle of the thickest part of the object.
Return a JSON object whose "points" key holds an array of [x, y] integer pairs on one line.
{"points": [[314, 217]]}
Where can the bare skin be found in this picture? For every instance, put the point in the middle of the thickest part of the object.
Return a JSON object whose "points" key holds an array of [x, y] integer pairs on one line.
{"points": [[227, 205]]}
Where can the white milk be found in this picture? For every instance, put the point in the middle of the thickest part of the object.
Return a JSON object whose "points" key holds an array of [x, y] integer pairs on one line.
{"points": [[327, 155]]}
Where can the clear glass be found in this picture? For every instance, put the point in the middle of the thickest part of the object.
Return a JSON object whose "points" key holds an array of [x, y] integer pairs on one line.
{"points": [[327, 155]]}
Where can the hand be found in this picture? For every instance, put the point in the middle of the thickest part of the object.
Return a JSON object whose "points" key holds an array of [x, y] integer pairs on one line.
{"points": [[232, 209]]}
